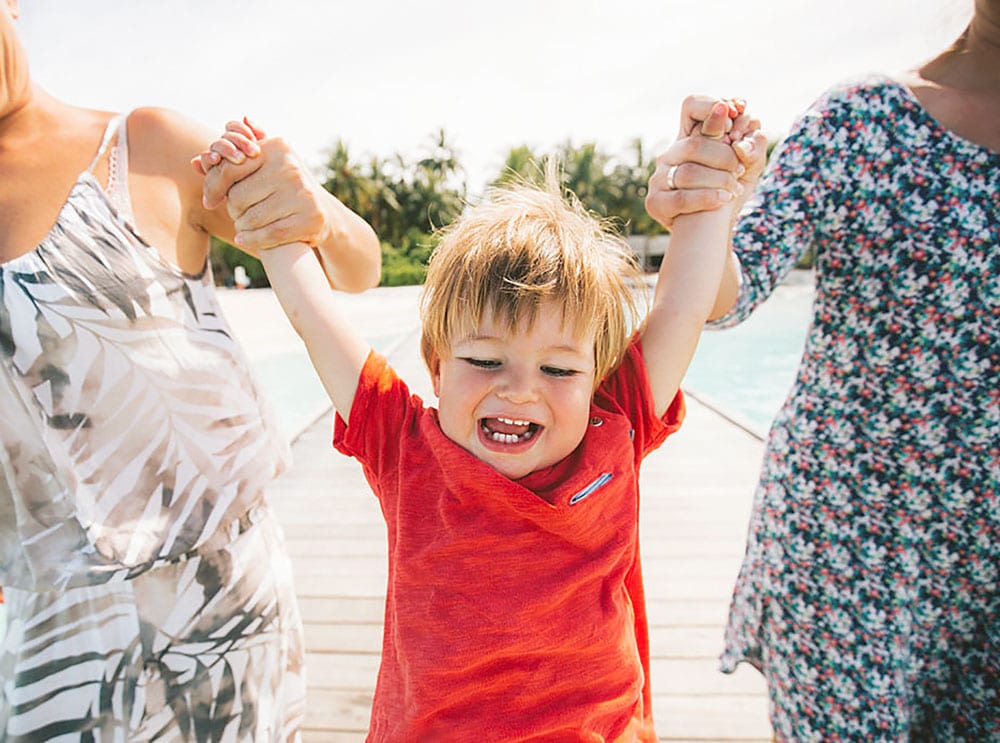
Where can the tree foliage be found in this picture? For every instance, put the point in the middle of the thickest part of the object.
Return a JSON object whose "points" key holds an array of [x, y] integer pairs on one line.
{"points": [[407, 200], [611, 187]]}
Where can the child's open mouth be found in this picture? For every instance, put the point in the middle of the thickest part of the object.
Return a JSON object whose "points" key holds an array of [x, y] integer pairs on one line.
{"points": [[508, 430]]}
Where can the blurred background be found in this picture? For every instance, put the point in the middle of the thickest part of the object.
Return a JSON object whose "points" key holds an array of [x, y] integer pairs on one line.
{"points": [[385, 77]]}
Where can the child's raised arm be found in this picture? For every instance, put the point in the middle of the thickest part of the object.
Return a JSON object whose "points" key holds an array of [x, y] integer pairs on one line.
{"points": [[335, 348], [703, 169], [301, 285], [691, 272]]}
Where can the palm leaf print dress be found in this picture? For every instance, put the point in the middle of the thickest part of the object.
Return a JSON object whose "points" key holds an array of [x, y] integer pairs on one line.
{"points": [[870, 591], [148, 589]]}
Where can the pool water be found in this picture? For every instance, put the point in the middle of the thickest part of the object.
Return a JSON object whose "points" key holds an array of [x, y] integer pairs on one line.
{"points": [[293, 389], [746, 371]]}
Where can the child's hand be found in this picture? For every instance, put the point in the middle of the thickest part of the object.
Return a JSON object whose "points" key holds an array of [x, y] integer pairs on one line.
{"points": [[715, 160], [270, 195], [237, 143]]}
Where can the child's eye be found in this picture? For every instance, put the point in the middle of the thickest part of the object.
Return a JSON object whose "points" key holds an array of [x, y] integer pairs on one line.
{"points": [[555, 371], [482, 363]]}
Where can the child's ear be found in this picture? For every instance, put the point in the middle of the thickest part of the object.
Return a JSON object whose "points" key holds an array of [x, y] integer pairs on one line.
{"points": [[434, 367]]}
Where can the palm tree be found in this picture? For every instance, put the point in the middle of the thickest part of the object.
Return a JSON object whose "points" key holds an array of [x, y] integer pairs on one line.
{"points": [[365, 189], [631, 178], [438, 185], [521, 163]]}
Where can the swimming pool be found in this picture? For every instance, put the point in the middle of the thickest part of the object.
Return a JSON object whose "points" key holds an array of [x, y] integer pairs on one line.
{"points": [[746, 371], [293, 389]]}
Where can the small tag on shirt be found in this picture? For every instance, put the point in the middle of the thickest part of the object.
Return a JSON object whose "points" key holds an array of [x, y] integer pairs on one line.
{"points": [[596, 484]]}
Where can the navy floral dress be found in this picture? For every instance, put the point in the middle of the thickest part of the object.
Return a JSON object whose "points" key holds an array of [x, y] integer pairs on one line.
{"points": [[868, 596]]}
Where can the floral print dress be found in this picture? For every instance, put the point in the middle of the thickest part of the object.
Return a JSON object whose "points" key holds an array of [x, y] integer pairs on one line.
{"points": [[868, 596], [149, 594]]}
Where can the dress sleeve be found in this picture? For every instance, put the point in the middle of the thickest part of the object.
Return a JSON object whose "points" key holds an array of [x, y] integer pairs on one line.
{"points": [[796, 203]]}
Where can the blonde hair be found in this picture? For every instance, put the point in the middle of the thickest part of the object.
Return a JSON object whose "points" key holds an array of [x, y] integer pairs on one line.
{"points": [[523, 246]]}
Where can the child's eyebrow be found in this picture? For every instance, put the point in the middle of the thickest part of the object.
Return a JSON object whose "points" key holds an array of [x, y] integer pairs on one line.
{"points": [[569, 349], [557, 348], [473, 338]]}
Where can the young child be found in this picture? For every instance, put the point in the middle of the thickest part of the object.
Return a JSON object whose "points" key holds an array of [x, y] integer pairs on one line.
{"points": [[515, 606]]}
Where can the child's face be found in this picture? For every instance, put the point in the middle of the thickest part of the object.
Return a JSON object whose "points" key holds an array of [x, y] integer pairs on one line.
{"points": [[518, 401]]}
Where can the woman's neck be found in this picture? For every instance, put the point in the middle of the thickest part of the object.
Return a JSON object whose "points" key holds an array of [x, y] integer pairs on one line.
{"points": [[15, 93], [973, 64], [960, 88], [30, 116]]}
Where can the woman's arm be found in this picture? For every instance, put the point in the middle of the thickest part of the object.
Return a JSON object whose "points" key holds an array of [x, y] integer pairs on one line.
{"points": [[273, 200]]}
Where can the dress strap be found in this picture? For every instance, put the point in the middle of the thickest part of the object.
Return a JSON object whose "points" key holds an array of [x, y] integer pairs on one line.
{"points": [[117, 185], [109, 132], [117, 188]]}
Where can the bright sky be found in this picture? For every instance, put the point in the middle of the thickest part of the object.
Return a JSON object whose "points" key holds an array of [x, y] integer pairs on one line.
{"points": [[385, 75]]}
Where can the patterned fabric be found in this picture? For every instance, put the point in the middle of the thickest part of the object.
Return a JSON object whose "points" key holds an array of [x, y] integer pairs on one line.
{"points": [[136, 450], [869, 592], [204, 649]]}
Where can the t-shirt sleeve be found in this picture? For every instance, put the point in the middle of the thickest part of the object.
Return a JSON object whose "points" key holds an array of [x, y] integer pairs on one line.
{"points": [[382, 413], [796, 205], [627, 388]]}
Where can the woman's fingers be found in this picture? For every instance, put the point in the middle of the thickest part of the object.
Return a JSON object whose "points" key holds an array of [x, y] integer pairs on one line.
{"points": [[692, 175], [664, 206], [694, 110]]}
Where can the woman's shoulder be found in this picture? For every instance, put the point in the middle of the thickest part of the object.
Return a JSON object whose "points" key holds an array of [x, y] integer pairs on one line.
{"points": [[861, 105], [164, 137], [867, 94], [161, 144]]}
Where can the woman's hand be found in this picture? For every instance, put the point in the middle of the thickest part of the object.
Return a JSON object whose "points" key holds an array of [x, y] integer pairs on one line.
{"points": [[269, 193], [717, 157]]}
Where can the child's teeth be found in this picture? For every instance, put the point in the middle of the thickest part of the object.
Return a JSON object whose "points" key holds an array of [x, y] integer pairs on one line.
{"points": [[510, 438], [512, 422]]}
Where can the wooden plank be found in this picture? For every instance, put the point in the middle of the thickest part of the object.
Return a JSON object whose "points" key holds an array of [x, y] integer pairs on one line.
{"points": [[344, 637], [677, 717], [341, 670], [338, 709], [357, 671], [332, 608], [702, 643], [718, 718], [326, 735]]}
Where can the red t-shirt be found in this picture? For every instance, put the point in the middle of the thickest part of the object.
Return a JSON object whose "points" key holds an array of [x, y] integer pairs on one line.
{"points": [[514, 609]]}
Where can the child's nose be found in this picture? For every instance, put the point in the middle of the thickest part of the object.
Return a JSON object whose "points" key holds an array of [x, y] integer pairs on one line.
{"points": [[518, 388]]}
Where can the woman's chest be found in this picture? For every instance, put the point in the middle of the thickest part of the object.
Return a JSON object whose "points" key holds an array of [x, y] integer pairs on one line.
{"points": [[29, 207]]}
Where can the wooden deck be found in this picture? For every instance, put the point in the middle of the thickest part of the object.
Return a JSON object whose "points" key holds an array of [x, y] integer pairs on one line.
{"points": [[697, 492]]}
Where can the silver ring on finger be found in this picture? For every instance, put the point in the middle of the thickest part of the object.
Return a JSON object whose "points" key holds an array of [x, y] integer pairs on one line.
{"points": [[669, 178]]}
